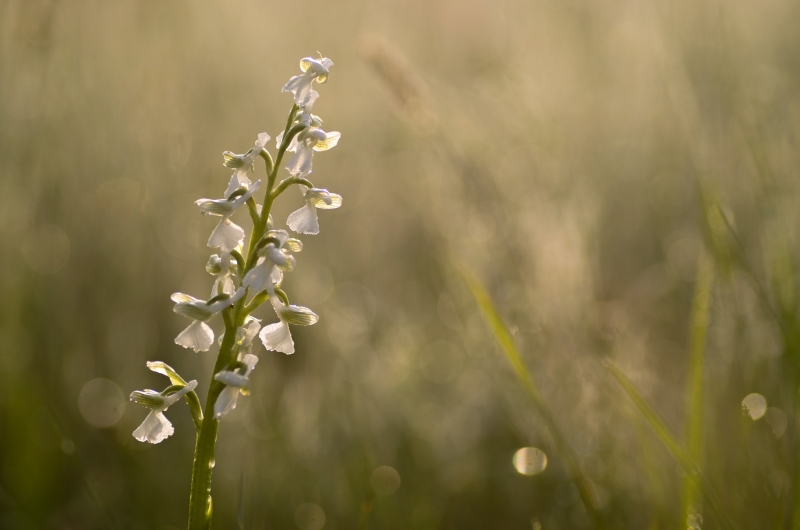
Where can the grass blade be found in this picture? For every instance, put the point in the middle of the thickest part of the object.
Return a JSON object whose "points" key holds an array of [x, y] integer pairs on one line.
{"points": [[675, 449], [699, 329], [506, 342]]}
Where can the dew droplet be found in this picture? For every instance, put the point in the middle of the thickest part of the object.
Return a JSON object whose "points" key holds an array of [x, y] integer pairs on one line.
{"points": [[212, 463]]}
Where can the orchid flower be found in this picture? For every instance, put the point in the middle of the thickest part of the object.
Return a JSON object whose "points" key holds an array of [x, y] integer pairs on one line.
{"points": [[278, 337], [309, 140], [304, 220], [236, 383], [199, 336], [300, 85], [273, 259], [156, 427], [227, 235], [223, 268], [243, 164]]}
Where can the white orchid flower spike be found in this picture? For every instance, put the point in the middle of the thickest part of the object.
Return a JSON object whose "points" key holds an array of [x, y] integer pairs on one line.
{"points": [[199, 336], [274, 258], [243, 164], [235, 384], [227, 235], [304, 220], [309, 140], [300, 85], [156, 427], [278, 337]]}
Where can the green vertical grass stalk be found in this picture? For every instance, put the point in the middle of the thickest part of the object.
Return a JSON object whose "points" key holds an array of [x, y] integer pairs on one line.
{"points": [[699, 329], [675, 449], [785, 317], [506, 342]]}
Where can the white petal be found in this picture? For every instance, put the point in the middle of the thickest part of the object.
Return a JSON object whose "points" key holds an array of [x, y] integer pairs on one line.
{"points": [[330, 141], [251, 189], [198, 336], [251, 361], [174, 398], [304, 220], [258, 277], [232, 378], [216, 307], [276, 277], [300, 86], [274, 255], [300, 163], [195, 310], [238, 180], [277, 337], [226, 236], [225, 282], [252, 326], [336, 201], [306, 62], [299, 315], [221, 207], [293, 245], [309, 106], [226, 401], [183, 298], [280, 235], [261, 143], [154, 429]]}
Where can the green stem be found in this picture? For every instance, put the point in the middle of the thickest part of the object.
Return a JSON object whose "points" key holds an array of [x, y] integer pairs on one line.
{"points": [[285, 183], [200, 505], [200, 494]]}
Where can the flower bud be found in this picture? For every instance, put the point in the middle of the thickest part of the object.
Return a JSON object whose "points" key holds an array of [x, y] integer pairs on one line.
{"points": [[214, 265]]}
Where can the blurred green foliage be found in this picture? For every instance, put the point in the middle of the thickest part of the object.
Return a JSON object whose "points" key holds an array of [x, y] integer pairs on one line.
{"points": [[572, 153]]}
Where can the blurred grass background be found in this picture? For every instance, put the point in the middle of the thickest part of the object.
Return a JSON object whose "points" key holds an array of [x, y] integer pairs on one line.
{"points": [[570, 153]]}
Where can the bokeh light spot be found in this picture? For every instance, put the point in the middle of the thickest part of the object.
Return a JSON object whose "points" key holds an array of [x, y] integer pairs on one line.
{"points": [[67, 446], [777, 420], [309, 516], [530, 461], [755, 405], [385, 480], [101, 402]]}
